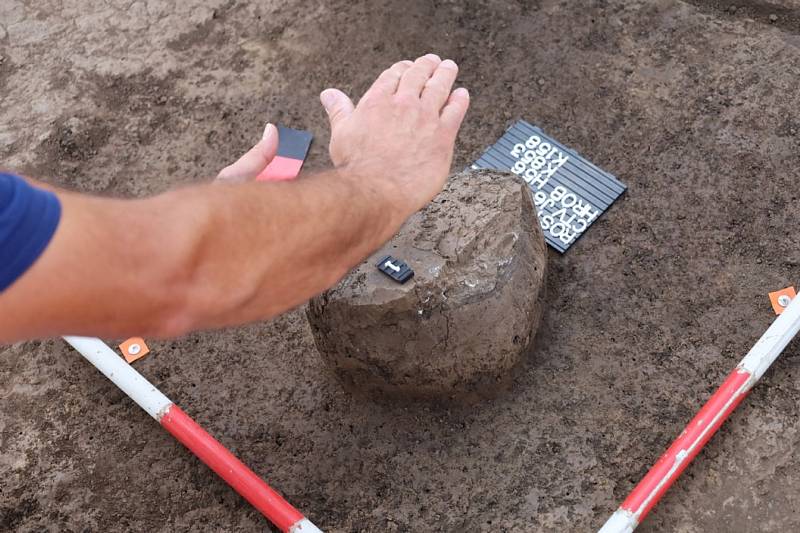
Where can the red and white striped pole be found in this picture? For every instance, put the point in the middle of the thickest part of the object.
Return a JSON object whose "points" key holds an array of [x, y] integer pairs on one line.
{"points": [[190, 434], [707, 421]]}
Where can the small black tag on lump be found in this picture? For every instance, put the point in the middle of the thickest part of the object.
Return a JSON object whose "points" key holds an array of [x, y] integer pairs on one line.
{"points": [[395, 269]]}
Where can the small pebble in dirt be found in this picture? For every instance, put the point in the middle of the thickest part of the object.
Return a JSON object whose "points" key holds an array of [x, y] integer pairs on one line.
{"points": [[773, 18], [732, 9], [540, 81]]}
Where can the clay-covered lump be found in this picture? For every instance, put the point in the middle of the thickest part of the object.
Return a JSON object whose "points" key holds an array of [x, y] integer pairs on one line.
{"points": [[466, 318]]}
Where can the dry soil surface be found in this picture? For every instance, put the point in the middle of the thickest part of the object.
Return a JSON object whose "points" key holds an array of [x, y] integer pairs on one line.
{"points": [[693, 104]]}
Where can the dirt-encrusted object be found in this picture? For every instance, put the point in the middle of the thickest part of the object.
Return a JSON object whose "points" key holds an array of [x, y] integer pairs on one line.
{"points": [[467, 316]]}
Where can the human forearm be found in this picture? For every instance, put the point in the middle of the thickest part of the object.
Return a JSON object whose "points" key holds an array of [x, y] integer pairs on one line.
{"points": [[196, 258], [265, 248]]}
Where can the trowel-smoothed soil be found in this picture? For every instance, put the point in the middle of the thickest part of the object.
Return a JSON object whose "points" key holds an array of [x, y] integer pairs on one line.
{"points": [[693, 105]]}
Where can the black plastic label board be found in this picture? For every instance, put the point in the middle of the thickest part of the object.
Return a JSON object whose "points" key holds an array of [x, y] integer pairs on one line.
{"points": [[569, 191]]}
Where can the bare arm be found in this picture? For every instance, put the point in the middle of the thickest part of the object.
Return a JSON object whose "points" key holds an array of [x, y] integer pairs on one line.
{"points": [[200, 257], [217, 255]]}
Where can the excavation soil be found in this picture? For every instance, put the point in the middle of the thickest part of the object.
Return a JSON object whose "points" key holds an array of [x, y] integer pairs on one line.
{"points": [[467, 318], [693, 105]]}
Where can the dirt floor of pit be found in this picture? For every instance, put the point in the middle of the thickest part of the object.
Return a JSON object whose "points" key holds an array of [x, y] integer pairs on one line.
{"points": [[693, 105]]}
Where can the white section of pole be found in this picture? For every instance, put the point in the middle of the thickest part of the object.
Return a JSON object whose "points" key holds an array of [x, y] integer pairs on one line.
{"points": [[621, 521], [760, 357], [304, 526], [771, 344], [122, 374]]}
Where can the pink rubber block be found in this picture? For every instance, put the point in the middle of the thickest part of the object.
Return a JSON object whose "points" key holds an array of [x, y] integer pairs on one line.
{"points": [[281, 169]]}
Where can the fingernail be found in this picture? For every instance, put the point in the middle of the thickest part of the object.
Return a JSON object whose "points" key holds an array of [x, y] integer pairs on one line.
{"points": [[433, 57], [448, 63], [462, 90], [269, 131], [328, 98]]}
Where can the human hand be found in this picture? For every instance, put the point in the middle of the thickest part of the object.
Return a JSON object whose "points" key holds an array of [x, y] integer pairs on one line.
{"points": [[400, 136], [251, 164]]}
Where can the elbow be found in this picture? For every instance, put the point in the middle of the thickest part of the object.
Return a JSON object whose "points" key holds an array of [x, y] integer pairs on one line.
{"points": [[200, 281], [196, 303], [169, 266], [194, 295], [172, 315], [174, 323]]}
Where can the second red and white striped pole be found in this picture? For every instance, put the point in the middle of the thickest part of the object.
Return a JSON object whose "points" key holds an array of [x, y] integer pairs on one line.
{"points": [[190, 434], [707, 421]]}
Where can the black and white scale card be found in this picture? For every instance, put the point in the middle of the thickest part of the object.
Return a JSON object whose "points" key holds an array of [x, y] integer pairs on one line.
{"points": [[569, 191]]}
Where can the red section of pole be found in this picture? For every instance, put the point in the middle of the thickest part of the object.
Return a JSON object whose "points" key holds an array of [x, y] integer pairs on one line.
{"points": [[232, 470], [696, 434]]}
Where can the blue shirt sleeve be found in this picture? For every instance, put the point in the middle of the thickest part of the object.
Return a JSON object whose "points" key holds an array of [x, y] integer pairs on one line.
{"points": [[29, 217]]}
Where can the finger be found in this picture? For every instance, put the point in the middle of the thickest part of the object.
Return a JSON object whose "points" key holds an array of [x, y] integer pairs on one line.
{"points": [[455, 109], [389, 79], [254, 161], [437, 89], [337, 104], [414, 79]]}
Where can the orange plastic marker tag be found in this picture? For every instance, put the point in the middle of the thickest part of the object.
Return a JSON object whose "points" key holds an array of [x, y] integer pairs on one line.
{"points": [[133, 349], [780, 299]]}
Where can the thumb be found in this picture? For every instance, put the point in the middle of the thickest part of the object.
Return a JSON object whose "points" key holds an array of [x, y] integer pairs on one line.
{"points": [[337, 104], [254, 161]]}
